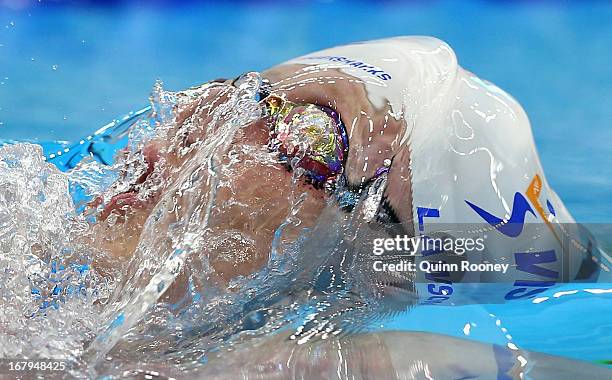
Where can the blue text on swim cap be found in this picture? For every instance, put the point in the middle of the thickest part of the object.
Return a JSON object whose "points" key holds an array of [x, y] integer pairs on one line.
{"points": [[370, 69]]}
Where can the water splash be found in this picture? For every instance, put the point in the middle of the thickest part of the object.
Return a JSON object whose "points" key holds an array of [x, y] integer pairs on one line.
{"points": [[161, 252], [50, 293], [144, 278]]}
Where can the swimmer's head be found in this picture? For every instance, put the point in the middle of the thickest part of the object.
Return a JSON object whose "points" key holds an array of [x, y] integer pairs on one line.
{"points": [[255, 199]]}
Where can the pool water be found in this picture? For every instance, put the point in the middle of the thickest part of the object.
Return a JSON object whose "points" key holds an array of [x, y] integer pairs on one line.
{"points": [[66, 70]]}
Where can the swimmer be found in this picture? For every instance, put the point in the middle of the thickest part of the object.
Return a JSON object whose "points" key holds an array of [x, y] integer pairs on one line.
{"points": [[398, 119], [394, 130]]}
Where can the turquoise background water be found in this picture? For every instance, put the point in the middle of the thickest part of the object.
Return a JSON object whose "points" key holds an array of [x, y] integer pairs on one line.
{"points": [[65, 70]]}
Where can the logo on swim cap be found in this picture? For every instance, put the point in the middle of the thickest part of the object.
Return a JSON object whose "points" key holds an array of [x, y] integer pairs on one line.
{"points": [[370, 69]]}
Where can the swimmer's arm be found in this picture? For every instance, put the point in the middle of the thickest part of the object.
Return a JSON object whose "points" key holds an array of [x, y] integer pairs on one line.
{"points": [[393, 355]]}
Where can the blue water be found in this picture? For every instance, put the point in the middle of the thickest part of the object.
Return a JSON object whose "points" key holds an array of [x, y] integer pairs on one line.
{"points": [[66, 70]]}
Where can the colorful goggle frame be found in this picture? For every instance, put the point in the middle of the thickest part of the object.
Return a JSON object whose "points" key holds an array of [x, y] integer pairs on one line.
{"points": [[309, 137]]}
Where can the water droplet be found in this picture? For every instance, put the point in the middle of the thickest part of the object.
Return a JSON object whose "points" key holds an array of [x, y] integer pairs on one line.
{"points": [[54, 67]]}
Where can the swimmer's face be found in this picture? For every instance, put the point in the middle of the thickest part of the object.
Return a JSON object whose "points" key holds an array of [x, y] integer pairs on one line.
{"points": [[255, 194]]}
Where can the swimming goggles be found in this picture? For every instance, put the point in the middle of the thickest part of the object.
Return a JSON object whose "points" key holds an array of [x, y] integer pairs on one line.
{"points": [[313, 138], [307, 137]]}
